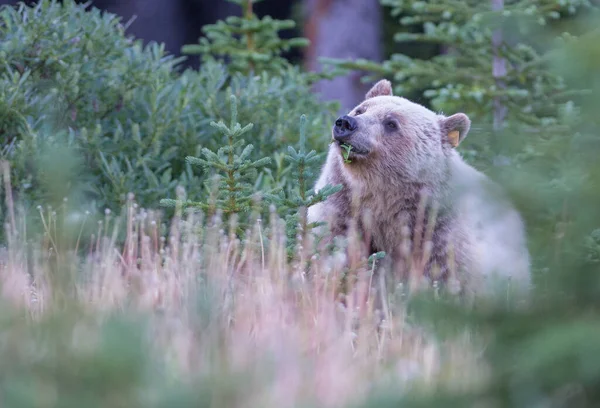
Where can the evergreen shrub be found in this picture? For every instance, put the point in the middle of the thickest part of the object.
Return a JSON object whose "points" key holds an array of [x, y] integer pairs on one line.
{"points": [[122, 117]]}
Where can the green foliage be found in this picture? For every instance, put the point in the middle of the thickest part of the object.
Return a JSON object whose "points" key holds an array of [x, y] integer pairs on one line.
{"points": [[71, 81], [247, 43]]}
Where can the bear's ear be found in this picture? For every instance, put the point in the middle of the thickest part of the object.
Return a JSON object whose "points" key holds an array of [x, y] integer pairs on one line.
{"points": [[455, 128], [383, 87]]}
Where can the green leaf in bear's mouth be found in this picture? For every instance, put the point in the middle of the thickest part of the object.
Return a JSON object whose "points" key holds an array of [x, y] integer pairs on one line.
{"points": [[346, 154]]}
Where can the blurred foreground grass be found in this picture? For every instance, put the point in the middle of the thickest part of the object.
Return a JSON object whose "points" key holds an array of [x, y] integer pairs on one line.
{"points": [[195, 317]]}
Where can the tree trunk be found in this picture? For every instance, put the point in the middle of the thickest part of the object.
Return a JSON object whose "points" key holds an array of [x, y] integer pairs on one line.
{"points": [[156, 20], [345, 29], [498, 70]]}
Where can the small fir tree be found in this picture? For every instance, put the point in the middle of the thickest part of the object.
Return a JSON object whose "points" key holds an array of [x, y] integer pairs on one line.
{"points": [[294, 204], [234, 191], [247, 43]]}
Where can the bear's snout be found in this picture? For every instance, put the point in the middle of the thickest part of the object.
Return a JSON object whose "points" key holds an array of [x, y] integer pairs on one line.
{"points": [[344, 127]]}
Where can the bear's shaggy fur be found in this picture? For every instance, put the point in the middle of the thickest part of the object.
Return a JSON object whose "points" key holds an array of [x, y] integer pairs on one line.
{"points": [[402, 166]]}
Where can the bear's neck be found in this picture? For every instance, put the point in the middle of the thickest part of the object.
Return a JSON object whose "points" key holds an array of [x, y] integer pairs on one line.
{"points": [[388, 215], [407, 205], [391, 196]]}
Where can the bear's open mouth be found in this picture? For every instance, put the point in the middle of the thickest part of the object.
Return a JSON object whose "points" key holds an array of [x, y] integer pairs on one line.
{"points": [[350, 151]]}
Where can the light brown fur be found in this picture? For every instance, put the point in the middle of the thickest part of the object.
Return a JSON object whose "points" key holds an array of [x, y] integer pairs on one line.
{"points": [[475, 236]]}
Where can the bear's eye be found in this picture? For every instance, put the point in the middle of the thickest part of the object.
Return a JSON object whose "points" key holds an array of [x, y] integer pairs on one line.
{"points": [[391, 125], [359, 111]]}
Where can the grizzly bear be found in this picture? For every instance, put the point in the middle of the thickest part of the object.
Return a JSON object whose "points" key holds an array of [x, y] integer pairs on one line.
{"points": [[399, 169]]}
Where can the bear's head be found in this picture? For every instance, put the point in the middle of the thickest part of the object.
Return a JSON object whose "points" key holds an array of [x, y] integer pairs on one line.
{"points": [[389, 138]]}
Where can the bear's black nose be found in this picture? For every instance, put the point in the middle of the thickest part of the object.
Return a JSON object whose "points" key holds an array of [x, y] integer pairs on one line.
{"points": [[344, 127]]}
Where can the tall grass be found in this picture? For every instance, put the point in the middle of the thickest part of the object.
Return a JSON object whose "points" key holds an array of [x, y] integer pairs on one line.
{"points": [[192, 315]]}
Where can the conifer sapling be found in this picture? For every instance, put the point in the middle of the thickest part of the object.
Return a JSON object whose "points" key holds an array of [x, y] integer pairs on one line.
{"points": [[296, 203], [234, 191]]}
